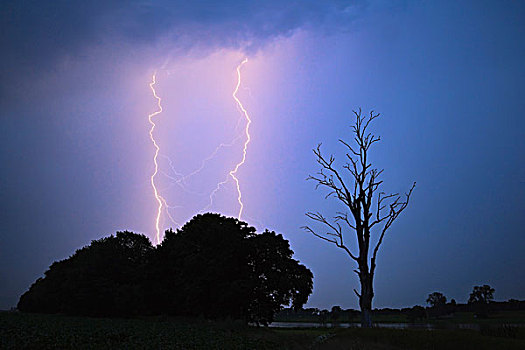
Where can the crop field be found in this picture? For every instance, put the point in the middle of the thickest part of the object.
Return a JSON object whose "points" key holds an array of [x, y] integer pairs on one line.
{"points": [[32, 331], [36, 331]]}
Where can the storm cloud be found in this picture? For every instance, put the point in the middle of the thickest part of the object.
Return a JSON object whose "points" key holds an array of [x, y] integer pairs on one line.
{"points": [[37, 34]]}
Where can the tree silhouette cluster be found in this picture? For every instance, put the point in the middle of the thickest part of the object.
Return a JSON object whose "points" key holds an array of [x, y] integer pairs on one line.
{"points": [[416, 313], [478, 302], [213, 267]]}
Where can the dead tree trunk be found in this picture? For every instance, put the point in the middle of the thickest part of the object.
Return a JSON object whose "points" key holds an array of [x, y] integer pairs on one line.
{"points": [[365, 300], [356, 186]]}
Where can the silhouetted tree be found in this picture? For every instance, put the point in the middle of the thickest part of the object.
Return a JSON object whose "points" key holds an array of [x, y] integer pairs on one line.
{"points": [[277, 278], [436, 299], [481, 294], [480, 298], [102, 279], [219, 267], [335, 314], [416, 313], [438, 303], [202, 269], [356, 185], [322, 316]]}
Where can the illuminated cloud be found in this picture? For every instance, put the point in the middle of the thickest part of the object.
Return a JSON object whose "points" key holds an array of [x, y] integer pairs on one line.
{"points": [[37, 34]]}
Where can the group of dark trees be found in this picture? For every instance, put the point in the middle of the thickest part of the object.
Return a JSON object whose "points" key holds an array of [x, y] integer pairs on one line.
{"points": [[480, 295], [478, 302], [481, 303], [213, 267], [480, 310], [416, 313]]}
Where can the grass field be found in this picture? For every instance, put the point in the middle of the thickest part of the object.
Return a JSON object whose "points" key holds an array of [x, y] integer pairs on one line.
{"points": [[31, 331]]}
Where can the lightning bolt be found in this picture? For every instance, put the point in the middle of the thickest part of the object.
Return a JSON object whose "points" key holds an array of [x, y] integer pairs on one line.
{"points": [[158, 197], [233, 172], [162, 204], [248, 138], [168, 207]]}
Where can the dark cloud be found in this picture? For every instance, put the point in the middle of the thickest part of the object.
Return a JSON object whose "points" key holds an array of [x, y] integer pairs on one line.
{"points": [[35, 34]]}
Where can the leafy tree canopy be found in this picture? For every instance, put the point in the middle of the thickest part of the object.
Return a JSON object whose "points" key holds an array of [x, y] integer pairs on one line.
{"points": [[481, 294], [214, 267], [102, 279], [436, 299]]}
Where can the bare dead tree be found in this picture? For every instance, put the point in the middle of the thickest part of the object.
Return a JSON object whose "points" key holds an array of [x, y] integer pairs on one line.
{"points": [[357, 186]]}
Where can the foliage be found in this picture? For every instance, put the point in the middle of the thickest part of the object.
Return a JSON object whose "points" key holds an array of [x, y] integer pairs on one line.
{"points": [[102, 279], [213, 267], [481, 294], [436, 299], [416, 313], [335, 314], [279, 279], [202, 269], [480, 298], [323, 316]]}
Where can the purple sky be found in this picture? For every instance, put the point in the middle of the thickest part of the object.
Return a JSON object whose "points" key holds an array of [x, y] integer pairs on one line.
{"points": [[447, 77]]}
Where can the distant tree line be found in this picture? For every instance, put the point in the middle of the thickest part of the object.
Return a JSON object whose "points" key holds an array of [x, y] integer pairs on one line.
{"points": [[213, 267], [480, 303]]}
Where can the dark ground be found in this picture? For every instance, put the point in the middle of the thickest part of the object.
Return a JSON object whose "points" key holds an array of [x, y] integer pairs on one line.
{"points": [[32, 331]]}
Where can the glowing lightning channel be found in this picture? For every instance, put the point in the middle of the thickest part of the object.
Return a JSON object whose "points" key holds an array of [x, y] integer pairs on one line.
{"points": [[168, 207], [158, 197], [248, 138], [208, 158]]}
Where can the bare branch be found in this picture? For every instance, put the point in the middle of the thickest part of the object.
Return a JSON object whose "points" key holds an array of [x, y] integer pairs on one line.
{"points": [[344, 217], [356, 183], [372, 117], [396, 208], [327, 164], [318, 235], [349, 147], [337, 232]]}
